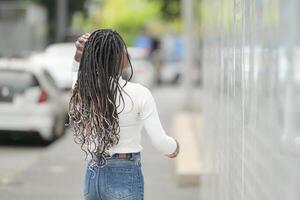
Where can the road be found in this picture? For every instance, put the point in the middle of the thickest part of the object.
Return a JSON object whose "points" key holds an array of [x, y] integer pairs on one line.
{"points": [[56, 171]]}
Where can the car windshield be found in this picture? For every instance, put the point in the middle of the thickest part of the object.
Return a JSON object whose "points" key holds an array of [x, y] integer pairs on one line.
{"points": [[19, 81]]}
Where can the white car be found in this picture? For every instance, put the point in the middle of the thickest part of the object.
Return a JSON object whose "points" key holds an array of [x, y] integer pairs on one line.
{"points": [[57, 59], [143, 70], [30, 101]]}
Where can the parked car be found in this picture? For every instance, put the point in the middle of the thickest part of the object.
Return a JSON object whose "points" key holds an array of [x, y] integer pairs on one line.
{"points": [[143, 70], [30, 101], [57, 59]]}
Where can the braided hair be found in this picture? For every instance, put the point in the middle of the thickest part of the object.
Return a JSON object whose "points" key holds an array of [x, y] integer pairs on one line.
{"points": [[97, 94]]}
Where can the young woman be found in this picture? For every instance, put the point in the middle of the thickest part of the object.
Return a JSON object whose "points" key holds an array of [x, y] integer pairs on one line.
{"points": [[107, 114]]}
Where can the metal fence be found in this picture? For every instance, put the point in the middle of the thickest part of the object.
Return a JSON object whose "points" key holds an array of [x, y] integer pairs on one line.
{"points": [[251, 60]]}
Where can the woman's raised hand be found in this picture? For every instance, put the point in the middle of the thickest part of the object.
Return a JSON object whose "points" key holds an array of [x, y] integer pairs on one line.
{"points": [[80, 42]]}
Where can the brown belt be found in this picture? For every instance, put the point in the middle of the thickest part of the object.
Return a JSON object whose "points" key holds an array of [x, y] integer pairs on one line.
{"points": [[123, 155]]}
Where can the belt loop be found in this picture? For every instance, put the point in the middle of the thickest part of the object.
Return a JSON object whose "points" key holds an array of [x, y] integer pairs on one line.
{"points": [[132, 157], [136, 156]]}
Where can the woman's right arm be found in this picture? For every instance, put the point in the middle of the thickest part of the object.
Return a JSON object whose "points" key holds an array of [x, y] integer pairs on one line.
{"points": [[79, 44]]}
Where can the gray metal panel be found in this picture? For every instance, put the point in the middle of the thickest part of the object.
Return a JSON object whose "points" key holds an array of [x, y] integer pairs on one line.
{"points": [[251, 101]]}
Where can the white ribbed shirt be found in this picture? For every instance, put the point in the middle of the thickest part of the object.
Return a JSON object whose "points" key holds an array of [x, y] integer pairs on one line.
{"points": [[139, 111]]}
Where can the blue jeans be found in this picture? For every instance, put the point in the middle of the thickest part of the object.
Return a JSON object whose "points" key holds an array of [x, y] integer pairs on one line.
{"points": [[120, 178]]}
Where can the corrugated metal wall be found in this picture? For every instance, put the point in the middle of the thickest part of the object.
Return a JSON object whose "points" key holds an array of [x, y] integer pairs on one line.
{"points": [[251, 64]]}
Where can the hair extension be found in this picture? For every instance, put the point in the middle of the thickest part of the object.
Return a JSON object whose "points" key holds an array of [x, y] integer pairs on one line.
{"points": [[93, 106]]}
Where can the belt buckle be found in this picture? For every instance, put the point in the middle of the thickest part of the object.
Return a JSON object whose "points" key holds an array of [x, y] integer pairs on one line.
{"points": [[122, 155]]}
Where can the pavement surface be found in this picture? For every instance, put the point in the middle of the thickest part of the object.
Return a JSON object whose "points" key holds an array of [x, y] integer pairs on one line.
{"points": [[31, 172]]}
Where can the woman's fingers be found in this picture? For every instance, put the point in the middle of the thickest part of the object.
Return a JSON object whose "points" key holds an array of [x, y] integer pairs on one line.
{"points": [[86, 35], [173, 155], [80, 43], [82, 40]]}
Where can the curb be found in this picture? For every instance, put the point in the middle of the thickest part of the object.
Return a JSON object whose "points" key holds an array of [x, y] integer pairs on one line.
{"points": [[187, 129]]}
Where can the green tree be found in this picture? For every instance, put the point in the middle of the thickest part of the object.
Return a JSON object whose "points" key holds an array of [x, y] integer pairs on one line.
{"points": [[127, 17], [170, 9]]}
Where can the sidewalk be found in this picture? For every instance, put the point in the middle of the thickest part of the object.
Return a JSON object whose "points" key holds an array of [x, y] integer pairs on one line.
{"points": [[58, 174]]}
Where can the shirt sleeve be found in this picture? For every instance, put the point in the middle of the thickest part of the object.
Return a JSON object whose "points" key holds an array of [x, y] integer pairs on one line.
{"points": [[152, 124], [75, 68]]}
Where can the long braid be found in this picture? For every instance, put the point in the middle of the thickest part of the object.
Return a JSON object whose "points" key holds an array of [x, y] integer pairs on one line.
{"points": [[92, 108]]}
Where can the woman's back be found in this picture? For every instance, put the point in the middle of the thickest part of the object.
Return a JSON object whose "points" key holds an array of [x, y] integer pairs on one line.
{"points": [[137, 111]]}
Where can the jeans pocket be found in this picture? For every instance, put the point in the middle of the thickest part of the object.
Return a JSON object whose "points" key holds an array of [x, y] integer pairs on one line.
{"points": [[119, 182]]}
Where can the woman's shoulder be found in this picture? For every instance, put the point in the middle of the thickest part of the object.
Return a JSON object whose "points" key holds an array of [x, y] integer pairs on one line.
{"points": [[138, 90], [142, 90], [137, 87]]}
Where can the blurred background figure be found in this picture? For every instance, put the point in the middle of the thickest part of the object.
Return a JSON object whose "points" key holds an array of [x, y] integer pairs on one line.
{"points": [[156, 56], [143, 40]]}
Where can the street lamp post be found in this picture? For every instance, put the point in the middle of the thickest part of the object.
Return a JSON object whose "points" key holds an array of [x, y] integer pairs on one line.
{"points": [[61, 19], [188, 22]]}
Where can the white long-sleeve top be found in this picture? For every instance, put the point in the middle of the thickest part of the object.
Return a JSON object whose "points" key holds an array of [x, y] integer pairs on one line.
{"points": [[139, 111]]}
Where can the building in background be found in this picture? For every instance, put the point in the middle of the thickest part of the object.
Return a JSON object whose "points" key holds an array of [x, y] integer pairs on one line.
{"points": [[251, 63], [23, 28]]}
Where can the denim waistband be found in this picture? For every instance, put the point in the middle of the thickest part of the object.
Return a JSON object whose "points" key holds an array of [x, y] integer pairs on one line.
{"points": [[116, 156], [134, 158], [128, 156]]}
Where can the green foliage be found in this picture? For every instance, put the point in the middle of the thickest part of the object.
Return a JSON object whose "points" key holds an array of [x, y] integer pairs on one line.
{"points": [[170, 9], [127, 17]]}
